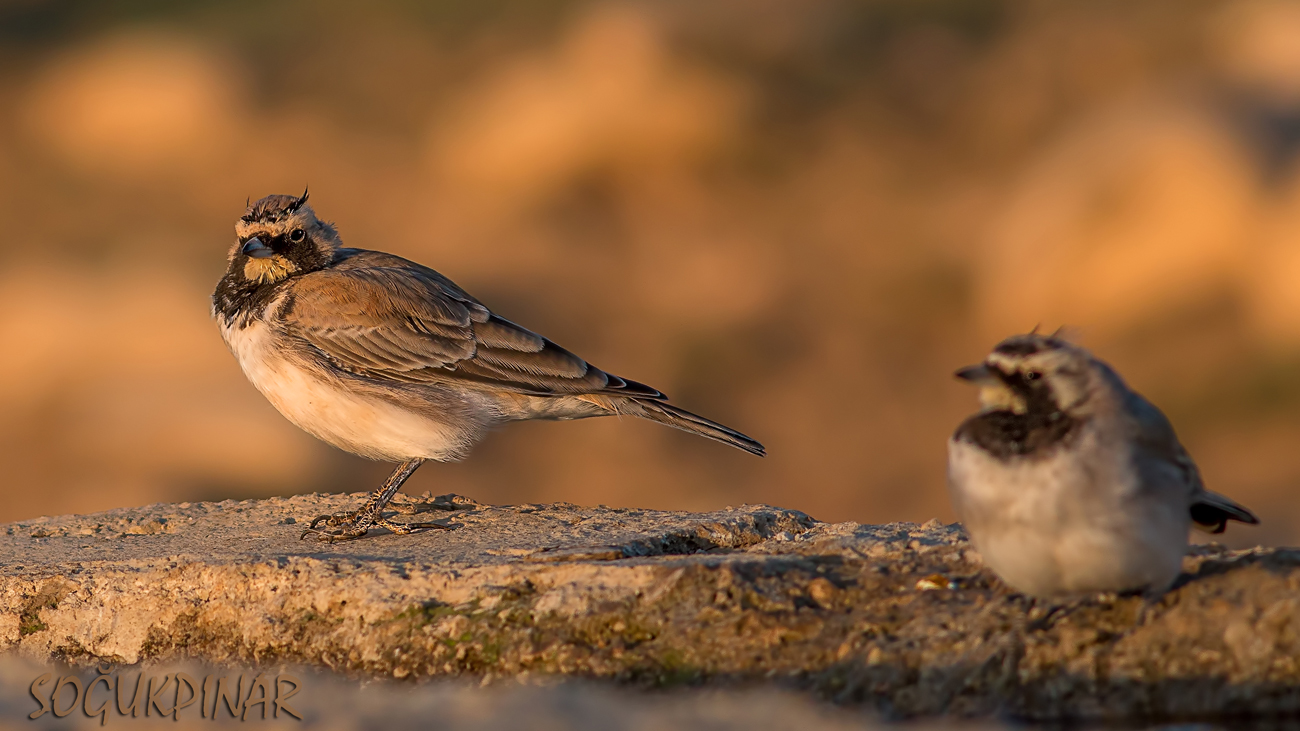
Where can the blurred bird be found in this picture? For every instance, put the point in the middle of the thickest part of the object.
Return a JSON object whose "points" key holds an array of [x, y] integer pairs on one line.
{"points": [[1068, 482], [390, 360]]}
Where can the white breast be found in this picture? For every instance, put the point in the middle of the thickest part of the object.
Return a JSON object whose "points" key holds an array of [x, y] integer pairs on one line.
{"points": [[325, 408], [1072, 523]]}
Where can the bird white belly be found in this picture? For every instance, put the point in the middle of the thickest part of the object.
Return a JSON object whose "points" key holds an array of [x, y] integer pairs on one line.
{"points": [[364, 425], [1056, 526]]}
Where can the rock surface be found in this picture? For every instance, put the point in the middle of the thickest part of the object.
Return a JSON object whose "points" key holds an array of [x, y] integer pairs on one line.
{"points": [[899, 617]]}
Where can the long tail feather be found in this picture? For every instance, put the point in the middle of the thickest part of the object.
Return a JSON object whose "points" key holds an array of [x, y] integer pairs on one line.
{"points": [[1212, 511], [686, 421]]}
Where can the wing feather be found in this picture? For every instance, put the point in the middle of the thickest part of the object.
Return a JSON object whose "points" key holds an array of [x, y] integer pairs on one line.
{"points": [[499, 333], [388, 319], [1210, 511]]}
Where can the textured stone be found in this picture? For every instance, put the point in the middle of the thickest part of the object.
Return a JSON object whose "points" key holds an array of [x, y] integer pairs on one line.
{"points": [[898, 617]]}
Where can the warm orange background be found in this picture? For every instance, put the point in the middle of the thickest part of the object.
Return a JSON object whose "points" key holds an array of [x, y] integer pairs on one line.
{"points": [[795, 216]]}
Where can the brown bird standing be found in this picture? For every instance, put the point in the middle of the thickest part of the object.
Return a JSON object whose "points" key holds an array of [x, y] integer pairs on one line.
{"points": [[390, 360]]}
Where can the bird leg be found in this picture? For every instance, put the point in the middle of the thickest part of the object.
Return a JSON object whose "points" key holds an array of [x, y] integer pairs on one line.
{"points": [[1151, 602], [1059, 608], [348, 526], [1051, 611]]}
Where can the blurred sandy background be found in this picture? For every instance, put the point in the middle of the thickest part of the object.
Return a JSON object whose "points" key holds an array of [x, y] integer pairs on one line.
{"points": [[795, 216]]}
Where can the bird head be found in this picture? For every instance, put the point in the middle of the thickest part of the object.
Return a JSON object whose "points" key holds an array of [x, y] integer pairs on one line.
{"points": [[279, 236], [1033, 371]]}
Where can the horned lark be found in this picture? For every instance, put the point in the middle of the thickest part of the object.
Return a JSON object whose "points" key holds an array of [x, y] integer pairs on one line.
{"points": [[390, 360], [1070, 483]]}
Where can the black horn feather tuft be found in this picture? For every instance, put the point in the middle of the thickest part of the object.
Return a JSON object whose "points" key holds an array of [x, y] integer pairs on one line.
{"points": [[301, 200]]}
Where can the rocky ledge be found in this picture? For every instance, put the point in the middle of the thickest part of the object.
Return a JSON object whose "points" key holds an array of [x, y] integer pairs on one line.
{"points": [[899, 617]]}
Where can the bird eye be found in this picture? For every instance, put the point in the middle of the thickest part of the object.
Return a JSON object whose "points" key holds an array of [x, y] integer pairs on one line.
{"points": [[1032, 375], [297, 235]]}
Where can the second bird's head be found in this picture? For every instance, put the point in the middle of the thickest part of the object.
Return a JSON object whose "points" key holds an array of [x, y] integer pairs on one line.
{"points": [[1032, 372], [279, 236]]}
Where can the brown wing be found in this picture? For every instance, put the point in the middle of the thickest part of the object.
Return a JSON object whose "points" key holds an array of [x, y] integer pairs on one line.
{"points": [[389, 319]]}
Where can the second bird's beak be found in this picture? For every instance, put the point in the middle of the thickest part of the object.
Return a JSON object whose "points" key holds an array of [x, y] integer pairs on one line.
{"points": [[256, 249], [980, 375]]}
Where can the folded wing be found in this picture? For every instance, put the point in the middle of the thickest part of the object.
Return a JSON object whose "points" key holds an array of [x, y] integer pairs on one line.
{"points": [[1154, 435], [386, 318]]}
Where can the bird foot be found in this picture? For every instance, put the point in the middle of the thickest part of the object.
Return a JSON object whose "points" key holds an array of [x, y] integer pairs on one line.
{"points": [[403, 529], [407, 505], [1047, 614], [353, 525], [337, 527]]}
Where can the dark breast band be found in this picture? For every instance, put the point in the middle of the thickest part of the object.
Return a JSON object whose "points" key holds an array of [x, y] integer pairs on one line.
{"points": [[1008, 435]]}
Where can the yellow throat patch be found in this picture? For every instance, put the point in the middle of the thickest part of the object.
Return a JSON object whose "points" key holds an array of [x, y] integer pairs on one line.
{"points": [[269, 270]]}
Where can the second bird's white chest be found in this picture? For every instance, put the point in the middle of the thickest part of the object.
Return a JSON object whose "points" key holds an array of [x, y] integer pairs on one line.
{"points": [[1079, 521], [324, 407]]}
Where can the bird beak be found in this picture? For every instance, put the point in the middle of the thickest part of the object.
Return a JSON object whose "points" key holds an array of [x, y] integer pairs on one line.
{"points": [[980, 375], [256, 249]]}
